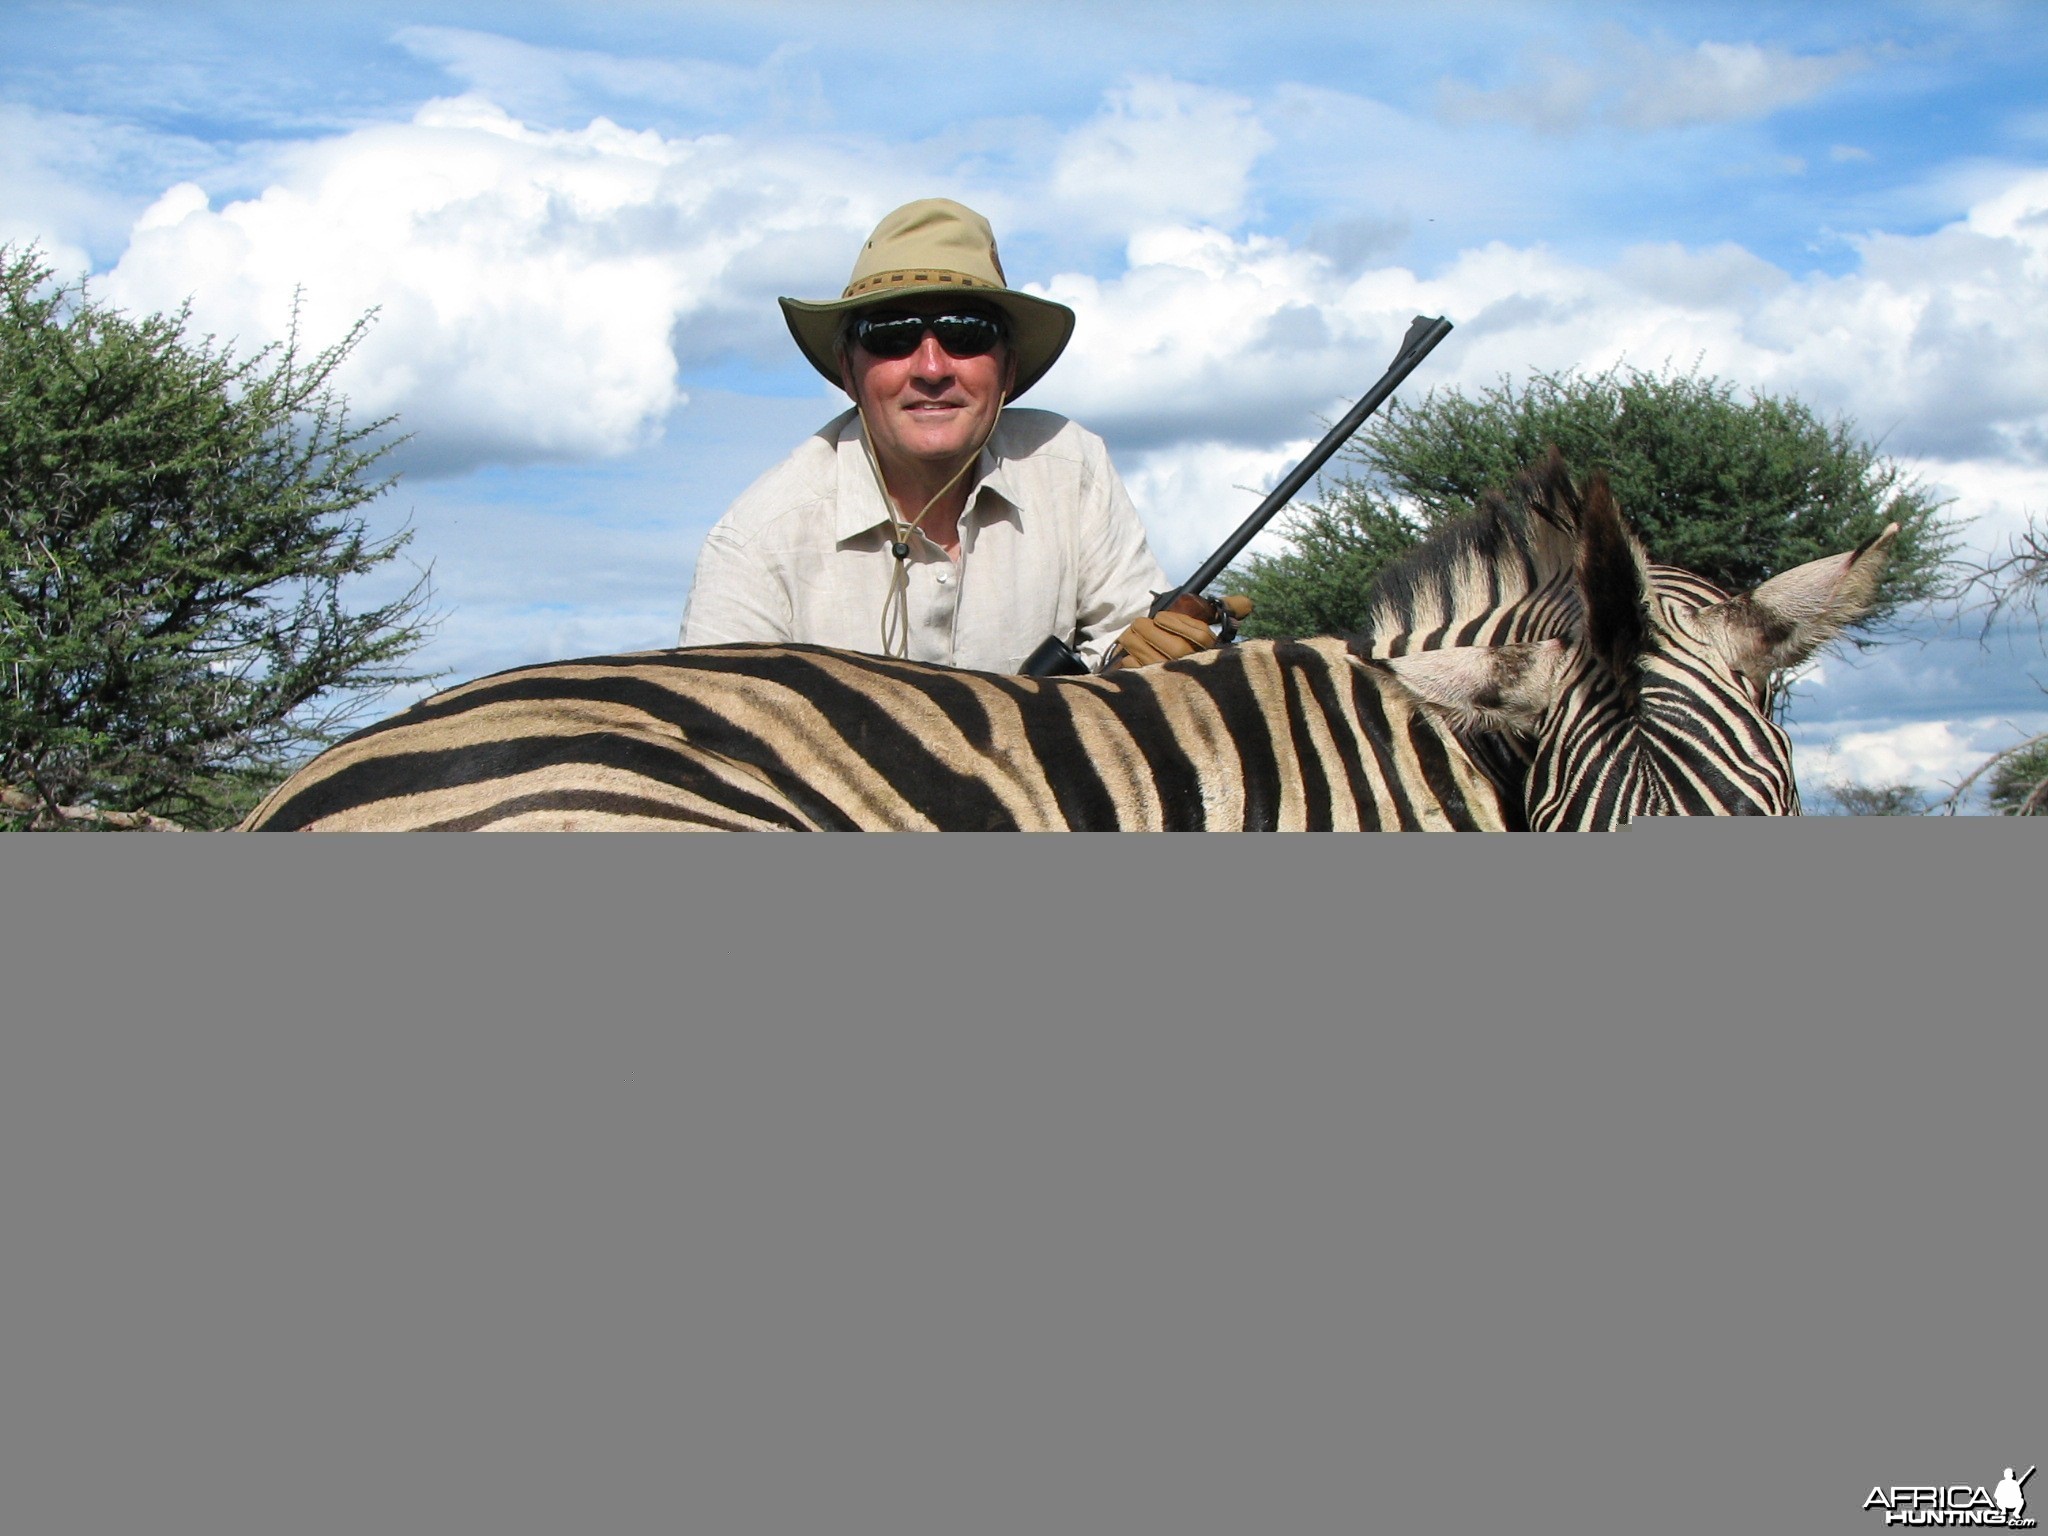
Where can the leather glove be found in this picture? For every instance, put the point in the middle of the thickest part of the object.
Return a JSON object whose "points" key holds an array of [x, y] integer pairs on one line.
{"points": [[1180, 630]]}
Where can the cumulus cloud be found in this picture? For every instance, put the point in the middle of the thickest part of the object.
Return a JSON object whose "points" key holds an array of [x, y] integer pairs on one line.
{"points": [[1936, 750], [1997, 497], [1936, 340], [1936, 755], [1931, 344], [1209, 337], [1209, 349], [543, 291], [528, 281], [1161, 150], [539, 290], [1642, 86]]}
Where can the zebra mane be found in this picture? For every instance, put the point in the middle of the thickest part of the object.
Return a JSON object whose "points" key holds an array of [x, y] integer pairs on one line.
{"points": [[1519, 543]]}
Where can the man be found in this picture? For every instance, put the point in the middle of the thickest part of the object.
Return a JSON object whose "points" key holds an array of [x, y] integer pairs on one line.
{"points": [[931, 521]]}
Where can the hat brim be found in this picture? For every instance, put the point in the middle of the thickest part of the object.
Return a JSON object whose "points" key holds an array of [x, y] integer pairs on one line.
{"points": [[1039, 328]]}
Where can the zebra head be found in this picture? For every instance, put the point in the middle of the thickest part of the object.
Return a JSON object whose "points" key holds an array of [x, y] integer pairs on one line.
{"points": [[1652, 698]]}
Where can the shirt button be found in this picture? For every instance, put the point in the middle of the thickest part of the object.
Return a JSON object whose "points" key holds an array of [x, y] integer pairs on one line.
{"points": [[944, 578]]}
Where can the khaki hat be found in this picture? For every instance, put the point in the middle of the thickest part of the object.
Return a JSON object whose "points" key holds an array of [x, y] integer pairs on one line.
{"points": [[933, 246]]}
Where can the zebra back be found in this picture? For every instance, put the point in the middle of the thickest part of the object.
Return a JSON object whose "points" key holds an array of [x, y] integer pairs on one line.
{"points": [[1261, 736]]}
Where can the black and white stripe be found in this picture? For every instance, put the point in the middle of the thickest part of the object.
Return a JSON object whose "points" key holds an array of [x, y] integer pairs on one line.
{"points": [[1526, 669], [1263, 736]]}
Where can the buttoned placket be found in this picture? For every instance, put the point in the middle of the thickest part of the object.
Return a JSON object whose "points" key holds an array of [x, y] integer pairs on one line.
{"points": [[941, 605], [936, 582], [937, 607]]}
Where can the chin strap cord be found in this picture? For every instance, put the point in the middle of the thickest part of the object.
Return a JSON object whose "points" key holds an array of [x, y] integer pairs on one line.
{"points": [[896, 605]]}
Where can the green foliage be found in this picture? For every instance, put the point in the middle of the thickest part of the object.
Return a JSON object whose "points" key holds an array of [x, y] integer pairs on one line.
{"points": [[1318, 587], [175, 529], [2019, 784], [1735, 489]]}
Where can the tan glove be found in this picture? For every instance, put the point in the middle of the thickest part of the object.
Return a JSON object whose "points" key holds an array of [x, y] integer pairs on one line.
{"points": [[1181, 630]]}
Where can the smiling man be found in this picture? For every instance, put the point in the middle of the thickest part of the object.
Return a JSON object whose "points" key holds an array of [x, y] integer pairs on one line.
{"points": [[933, 521]]}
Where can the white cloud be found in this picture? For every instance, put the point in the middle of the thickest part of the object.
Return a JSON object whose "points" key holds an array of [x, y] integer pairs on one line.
{"points": [[539, 290], [1208, 337], [39, 202], [1641, 86], [1926, 751], [1723, 275], [1932, 345], [1993, 499], [542, 290], [1192, 496], [61, 176], [1936, 755], [528, 281], [1161, 151], [1209, 348], [1550, 93], [1722, 82], [526, 77]]}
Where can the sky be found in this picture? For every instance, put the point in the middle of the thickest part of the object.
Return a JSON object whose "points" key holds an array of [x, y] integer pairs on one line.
{"points": [[572, 223]]}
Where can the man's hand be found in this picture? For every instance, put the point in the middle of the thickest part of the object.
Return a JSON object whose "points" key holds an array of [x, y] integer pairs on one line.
{"points": [[1180, 630]]}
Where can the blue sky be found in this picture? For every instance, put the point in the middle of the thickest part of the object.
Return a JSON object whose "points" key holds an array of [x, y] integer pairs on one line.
{"points": [[574, 221]]}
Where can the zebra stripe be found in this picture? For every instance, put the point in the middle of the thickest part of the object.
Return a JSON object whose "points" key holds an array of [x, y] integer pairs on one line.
{"points": [[1264, 736], [1528, 668]]}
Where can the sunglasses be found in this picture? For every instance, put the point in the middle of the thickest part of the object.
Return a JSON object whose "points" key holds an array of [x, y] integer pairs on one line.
{"points": [[894, 336]]}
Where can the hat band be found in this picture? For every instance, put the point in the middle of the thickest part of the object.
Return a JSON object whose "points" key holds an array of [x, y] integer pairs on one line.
{"points": [[899, 279]]}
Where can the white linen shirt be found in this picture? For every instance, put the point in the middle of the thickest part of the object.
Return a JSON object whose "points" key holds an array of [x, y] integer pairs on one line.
{"points": [[1049, 545]]}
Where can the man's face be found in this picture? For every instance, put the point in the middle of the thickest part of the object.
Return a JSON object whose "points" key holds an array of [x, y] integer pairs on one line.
{"points": [[930, 408]]}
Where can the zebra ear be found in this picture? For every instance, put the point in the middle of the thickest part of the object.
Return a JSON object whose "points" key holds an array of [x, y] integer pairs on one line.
{"points": [[1792, 615], [1485, 688], [1614, 584]]}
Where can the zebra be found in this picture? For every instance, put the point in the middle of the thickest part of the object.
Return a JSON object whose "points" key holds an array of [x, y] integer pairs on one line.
{"points": [[1527, 668]]}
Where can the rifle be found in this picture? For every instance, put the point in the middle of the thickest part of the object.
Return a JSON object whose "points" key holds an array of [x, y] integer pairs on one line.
{"points": [[1055, 658]]}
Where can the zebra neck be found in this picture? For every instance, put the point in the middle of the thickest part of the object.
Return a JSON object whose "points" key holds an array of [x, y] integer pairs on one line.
{"points": [[1550, 611]]}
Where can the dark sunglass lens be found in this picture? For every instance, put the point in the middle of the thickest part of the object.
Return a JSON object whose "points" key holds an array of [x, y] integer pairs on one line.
{"points": [[897, 336], [889, 336], [967, 335]]}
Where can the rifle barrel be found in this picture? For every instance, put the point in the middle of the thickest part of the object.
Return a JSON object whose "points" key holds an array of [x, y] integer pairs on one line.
{"points": [[1423, 335]]}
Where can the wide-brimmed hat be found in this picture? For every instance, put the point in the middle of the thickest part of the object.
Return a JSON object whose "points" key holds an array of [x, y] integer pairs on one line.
{"points": [[933, 246]]}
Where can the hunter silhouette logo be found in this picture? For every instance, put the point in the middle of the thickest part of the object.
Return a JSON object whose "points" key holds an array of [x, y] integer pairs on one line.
{"points": [[2009, 1497], [1957, 1505]]}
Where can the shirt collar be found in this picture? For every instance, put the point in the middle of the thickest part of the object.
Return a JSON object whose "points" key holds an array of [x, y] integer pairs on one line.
{"points": [[860, 509]]}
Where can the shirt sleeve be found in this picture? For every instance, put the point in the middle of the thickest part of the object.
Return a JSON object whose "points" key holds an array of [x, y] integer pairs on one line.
{"points": [[1118, 574], [735, 596]]}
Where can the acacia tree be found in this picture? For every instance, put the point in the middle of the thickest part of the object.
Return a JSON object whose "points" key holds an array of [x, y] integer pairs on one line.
{"points": [[1736, 489], [1898, 797], [2019, 782], [1994, 587], [176, 527]]}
